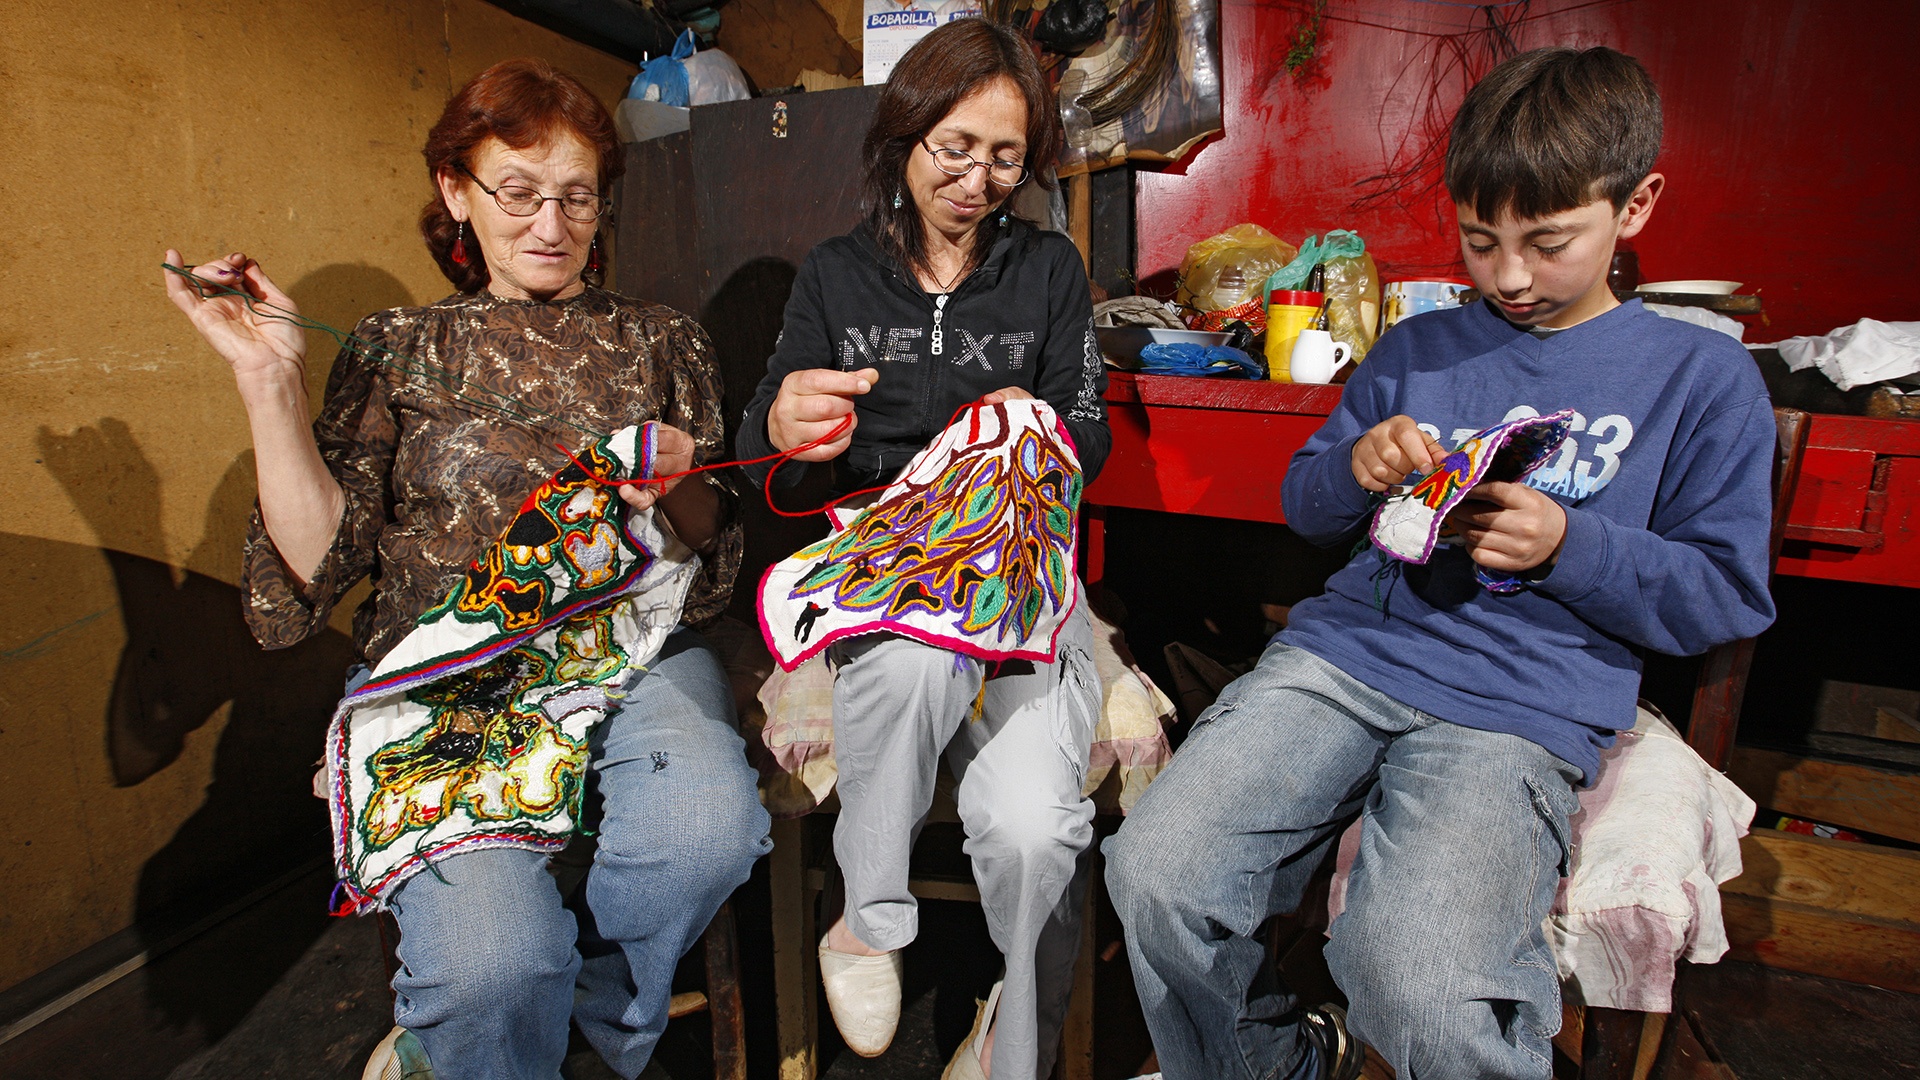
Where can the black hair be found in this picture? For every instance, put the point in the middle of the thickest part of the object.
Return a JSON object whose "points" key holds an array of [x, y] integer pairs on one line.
{"points": [[940, 71]]}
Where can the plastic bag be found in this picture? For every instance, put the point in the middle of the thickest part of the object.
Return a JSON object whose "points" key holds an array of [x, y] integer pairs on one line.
{"points": [[1225, 272], [1353, 302], [1352, 285], [1188, 359], [664, 78], [713, 76], [686, 77]]}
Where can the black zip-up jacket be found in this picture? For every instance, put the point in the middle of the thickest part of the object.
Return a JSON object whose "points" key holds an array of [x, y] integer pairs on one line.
{"points": [[1023, 318]]}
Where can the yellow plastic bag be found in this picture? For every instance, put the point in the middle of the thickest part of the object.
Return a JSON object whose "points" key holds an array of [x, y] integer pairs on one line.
{"points": [[1229, 270], [1353, 302]]}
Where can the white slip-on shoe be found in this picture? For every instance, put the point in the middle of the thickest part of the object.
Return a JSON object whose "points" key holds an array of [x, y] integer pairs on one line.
{"points": [[863, 993], [399, 1056], [966, 1060]]}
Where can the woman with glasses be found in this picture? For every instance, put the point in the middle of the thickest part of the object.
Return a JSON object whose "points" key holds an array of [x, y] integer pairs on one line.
{"points": [[941, 298], [431, 435]]}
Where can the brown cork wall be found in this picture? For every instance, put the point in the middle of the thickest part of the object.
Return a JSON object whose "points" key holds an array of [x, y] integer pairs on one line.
{"points": [[150, 754]]}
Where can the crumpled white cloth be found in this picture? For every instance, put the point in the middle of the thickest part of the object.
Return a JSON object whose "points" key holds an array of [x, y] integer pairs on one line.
{"points": [[1700, 316], [1869, 351]]}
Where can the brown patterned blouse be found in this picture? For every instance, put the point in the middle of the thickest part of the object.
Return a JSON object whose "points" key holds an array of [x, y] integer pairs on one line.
{"points": [[437, 443]]}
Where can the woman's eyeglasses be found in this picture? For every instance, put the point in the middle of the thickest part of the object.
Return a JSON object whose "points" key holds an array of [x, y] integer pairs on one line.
{"points": [[960, 163], [522, 201]]}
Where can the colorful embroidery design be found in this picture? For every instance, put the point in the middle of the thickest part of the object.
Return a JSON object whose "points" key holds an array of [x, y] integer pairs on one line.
{"points": [[971, 549], [473, 731], [1408, 527]]}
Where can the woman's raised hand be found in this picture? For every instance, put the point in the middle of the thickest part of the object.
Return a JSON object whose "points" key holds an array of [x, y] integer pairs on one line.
{"points": [[253, 342], [812, 402]]}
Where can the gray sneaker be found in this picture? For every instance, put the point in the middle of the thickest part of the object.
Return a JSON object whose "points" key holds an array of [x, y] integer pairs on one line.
{"points": [[1341, 1055]]}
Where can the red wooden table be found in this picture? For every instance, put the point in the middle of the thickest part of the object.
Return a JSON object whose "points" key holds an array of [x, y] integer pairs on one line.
{"points": [[1220, 448]]}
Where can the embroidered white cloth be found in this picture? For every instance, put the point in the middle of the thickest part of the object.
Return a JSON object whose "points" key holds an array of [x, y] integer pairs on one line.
{"points": [[472, 732], [970, 549]]}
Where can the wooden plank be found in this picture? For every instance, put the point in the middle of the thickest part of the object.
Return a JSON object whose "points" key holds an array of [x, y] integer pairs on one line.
{"points": [[1798, 937], [1852, 879], [686, 1004], [1895, 724], [1858, 749], [1884, 801], [1076, 1035], [1688, 1055], [793, 952], [1846, 538], [1572, 1037], [1171, 459], [1080, 217], [1248, 395], [1898, 437], [1832, 492], [1896, 484], [728, 1020]]}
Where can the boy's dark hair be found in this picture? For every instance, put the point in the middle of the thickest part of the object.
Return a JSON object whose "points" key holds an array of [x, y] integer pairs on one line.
{"points": [[1549, 130]]}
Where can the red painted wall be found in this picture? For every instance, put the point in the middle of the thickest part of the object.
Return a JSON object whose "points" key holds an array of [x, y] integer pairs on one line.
{"points": [[1792, 152]]}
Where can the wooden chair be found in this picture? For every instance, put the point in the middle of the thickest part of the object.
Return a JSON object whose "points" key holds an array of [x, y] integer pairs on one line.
{"points": [[1610, 1039]]}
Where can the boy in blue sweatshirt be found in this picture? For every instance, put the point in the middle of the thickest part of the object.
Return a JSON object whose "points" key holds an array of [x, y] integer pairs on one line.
{"points": [[1455, 721]]}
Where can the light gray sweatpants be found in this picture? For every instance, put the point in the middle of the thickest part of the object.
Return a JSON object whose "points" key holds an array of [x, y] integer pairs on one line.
{"points": [[897, 705]]}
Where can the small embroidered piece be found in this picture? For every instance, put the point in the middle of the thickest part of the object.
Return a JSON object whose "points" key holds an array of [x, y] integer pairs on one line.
{"points": [[1408, 527], [473, 731], [971, 549]]}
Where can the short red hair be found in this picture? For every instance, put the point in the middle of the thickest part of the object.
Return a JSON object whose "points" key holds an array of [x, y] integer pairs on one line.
{"points": [[522, 103]]}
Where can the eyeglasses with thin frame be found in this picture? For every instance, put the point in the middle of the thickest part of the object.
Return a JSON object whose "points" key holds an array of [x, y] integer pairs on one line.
{"points": [[960, 163], [522, 201]]}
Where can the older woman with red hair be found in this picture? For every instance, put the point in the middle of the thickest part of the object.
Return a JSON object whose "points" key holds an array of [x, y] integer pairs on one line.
{"points": [[436, 425]]}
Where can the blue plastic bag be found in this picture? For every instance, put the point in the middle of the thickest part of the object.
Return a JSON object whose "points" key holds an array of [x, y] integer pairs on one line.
{"points": [[664, 78], [1198, 360]]}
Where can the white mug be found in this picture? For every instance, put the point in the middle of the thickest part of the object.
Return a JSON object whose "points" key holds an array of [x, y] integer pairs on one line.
{"points": [[1316, 356]]}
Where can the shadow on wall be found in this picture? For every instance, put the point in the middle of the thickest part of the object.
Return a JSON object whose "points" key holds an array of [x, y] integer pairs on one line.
{"points": [[744, 319], [188, 652]]}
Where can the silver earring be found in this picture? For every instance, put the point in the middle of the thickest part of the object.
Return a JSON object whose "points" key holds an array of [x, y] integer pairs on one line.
{"points": [[896, 200]]}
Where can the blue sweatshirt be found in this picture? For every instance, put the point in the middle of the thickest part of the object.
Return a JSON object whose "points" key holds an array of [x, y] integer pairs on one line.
{"points": [[1667, 483]]}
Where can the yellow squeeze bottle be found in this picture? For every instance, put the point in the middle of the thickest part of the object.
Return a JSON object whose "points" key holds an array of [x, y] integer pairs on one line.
{"points": [[1289, 311]]}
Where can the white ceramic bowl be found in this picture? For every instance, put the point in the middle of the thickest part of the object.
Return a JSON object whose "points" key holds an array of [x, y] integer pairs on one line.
{"points": [[1695, 288], [1122, 344]]}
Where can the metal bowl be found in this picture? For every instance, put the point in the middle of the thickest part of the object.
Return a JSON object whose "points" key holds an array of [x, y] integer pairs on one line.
{"points": [[1122, 344]]}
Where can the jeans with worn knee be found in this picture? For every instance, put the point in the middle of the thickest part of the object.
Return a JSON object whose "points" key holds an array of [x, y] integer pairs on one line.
{"points": [[494, 961], [1440, 949]]}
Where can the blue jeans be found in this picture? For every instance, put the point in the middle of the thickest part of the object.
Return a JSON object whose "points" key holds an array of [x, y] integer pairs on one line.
{"points": [[493, 960], [1440, 950]]}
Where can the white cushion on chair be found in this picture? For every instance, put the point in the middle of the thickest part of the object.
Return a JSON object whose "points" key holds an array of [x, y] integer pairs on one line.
{"points": [[789, 729], [1653, 839]]}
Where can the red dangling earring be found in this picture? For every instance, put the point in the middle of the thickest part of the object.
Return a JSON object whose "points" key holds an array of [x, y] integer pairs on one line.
{"points": [[459, 253], [593, 256]]}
